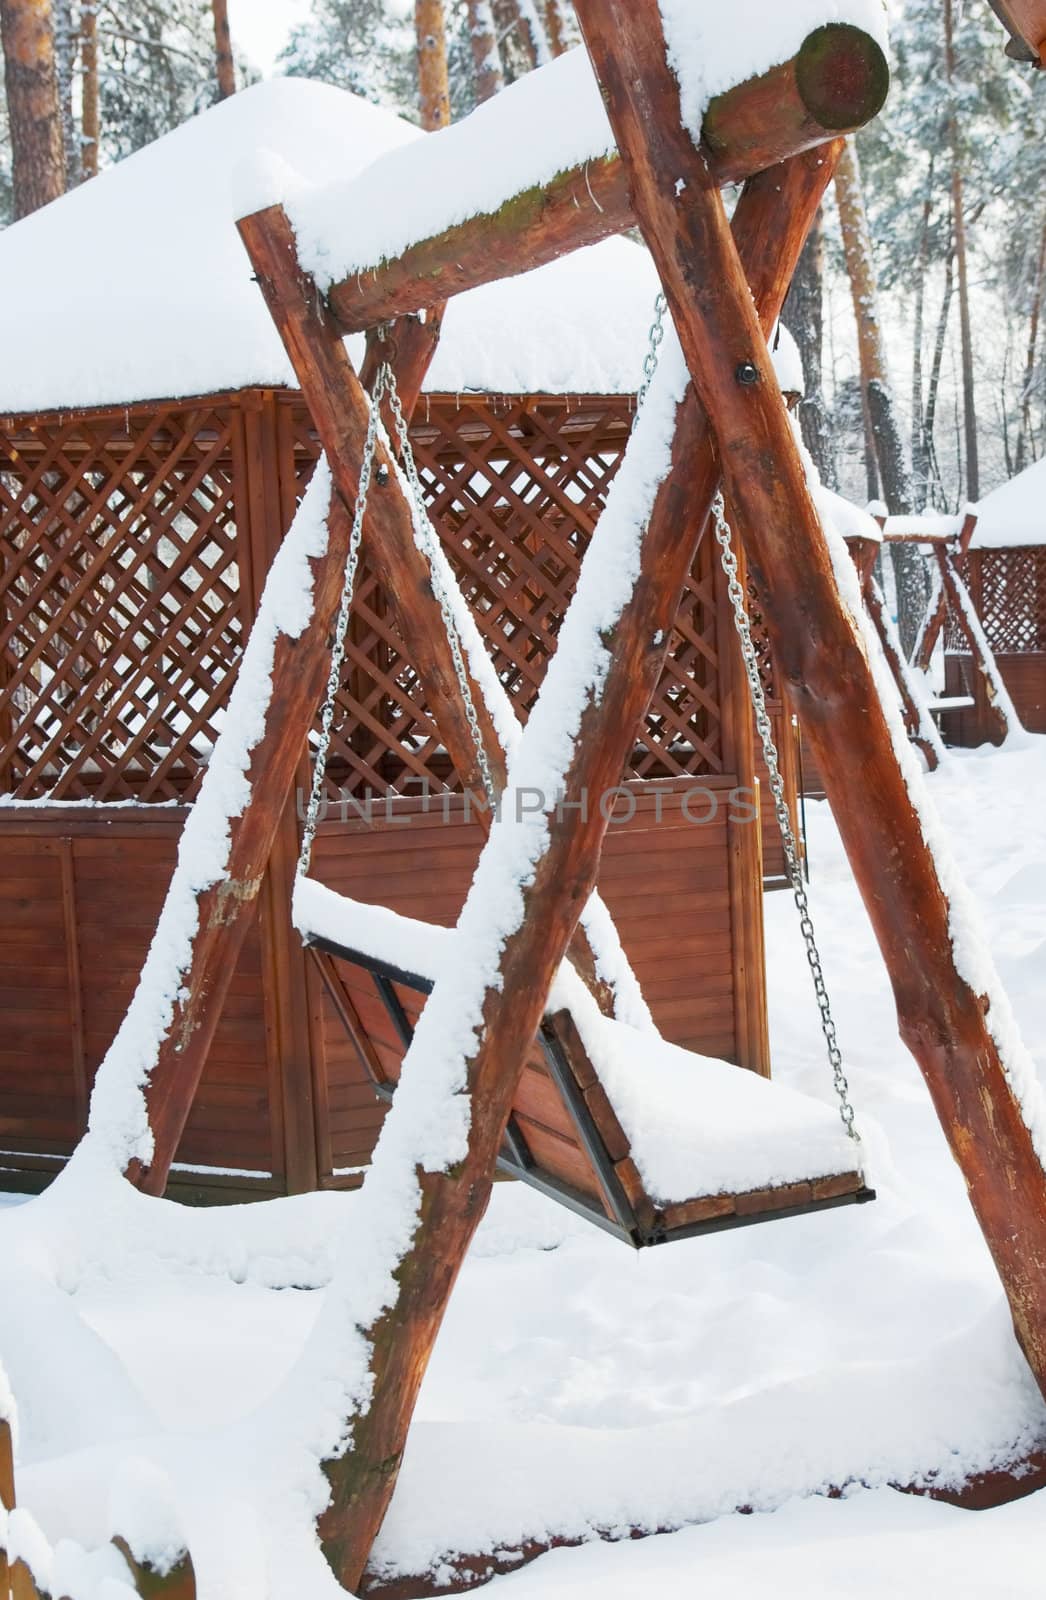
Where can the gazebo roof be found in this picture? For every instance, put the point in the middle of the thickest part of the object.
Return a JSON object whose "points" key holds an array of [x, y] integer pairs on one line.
{"points": [[135, 286], [1015, 513]]}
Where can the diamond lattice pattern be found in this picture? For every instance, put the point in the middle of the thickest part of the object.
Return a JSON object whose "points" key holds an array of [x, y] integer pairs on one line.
{"points": [[123, 619]]}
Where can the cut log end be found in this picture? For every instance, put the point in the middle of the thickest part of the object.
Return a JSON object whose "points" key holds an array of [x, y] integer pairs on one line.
{"points": [[843, 76]]}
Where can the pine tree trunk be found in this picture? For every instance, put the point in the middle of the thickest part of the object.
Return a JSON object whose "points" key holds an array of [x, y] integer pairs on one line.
{"points": [[90, 115], [34, 113], [66, 42], [920, 451], [486, 61], [433, 77], [532, 32], [804, 318], [973, 476], [226, 70], [909, 567], [556, 26], [934, 385], [1025, 431]]}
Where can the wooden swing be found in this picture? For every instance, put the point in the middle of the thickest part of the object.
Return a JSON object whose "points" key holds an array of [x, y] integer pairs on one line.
{"points": [[950, 599], [731, 426], [563, 1134]]}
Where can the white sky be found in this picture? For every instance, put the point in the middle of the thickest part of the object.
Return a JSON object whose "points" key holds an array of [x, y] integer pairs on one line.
{"points": [[260, 27]]}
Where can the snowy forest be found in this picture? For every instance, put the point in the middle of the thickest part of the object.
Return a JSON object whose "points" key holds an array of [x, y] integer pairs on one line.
{"points": [[943, 186]]}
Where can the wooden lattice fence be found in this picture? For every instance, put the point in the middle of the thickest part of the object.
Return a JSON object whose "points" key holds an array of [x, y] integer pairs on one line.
{"points": [[1008, 590], [134, 545], [125, 602]]}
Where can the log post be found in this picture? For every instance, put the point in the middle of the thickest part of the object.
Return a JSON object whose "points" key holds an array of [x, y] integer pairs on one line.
{"points": [[914, 714], [339, 410], [949, 1024], [7, 1495], [771, 222], [1025, 22], [486, 58], [837, 82]]}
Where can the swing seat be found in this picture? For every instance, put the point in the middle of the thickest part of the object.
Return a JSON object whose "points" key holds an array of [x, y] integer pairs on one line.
{"points": [[708, 1145]]}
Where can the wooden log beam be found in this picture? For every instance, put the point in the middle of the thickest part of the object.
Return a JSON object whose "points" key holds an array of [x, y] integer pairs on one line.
{"points": [[1025, 22], [339, 409], [944, 1020], [837, 82], [931, 629], [225, 911], [7, 1495], [772, 219], [875, 605]]}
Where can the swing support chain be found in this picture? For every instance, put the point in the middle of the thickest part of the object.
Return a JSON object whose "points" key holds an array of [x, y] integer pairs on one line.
{"points": [[385, 389], [764, 728]]}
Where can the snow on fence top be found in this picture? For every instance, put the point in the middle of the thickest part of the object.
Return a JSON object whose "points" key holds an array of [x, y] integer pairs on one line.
{"points": [[136, 286]]}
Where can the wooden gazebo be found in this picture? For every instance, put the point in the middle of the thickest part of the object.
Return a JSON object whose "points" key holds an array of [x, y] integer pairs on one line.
{"points": [[1004, 568], [136, 532]]}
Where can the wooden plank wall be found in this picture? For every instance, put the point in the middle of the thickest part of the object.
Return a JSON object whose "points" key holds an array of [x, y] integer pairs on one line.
{"points": [[79, 899], [283, 1097]]}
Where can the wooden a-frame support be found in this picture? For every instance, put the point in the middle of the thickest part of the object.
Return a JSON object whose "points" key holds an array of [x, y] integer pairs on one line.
{"points": [[771, 223], [828, 678], [819, 656], [918, 721], [838, 80], [944, 1020], [954, 600]]}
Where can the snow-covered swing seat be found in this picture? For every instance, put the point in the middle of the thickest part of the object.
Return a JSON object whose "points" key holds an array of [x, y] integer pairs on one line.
{"points": [[649, 1141], [643, 1138]]}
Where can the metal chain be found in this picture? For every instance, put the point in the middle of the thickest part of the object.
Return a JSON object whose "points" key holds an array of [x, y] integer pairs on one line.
{"points": [[764, 727], [319, 770], [430, 546], [784, 818], [653, 355]]}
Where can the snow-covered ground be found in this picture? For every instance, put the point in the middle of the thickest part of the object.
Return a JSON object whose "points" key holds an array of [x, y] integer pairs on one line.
{"points": [[578, 1387]]}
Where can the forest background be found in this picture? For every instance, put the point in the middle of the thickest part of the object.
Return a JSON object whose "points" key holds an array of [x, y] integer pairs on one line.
{"points": [[918, 306]]}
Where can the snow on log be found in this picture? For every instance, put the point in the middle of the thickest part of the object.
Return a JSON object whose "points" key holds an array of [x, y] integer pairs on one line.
{"points": [[533, 173]]}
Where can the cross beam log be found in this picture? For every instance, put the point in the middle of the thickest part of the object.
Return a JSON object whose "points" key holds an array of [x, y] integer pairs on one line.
{"points": [[914, 714], [944, 1020], [837, 82], [1025, 22], [225, 910], [771, 223], [339, 409]]}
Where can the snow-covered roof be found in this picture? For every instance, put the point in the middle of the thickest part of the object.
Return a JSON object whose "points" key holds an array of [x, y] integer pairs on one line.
{"points": [[848, 519], [1015, 513], [136, 285]]}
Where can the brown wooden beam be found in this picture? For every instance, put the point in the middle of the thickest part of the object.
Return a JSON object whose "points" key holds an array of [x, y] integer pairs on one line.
{"points": [[837, 82], [1025, 22], [875, 605], [771, 223], [340, 409], [943, 1019]]}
